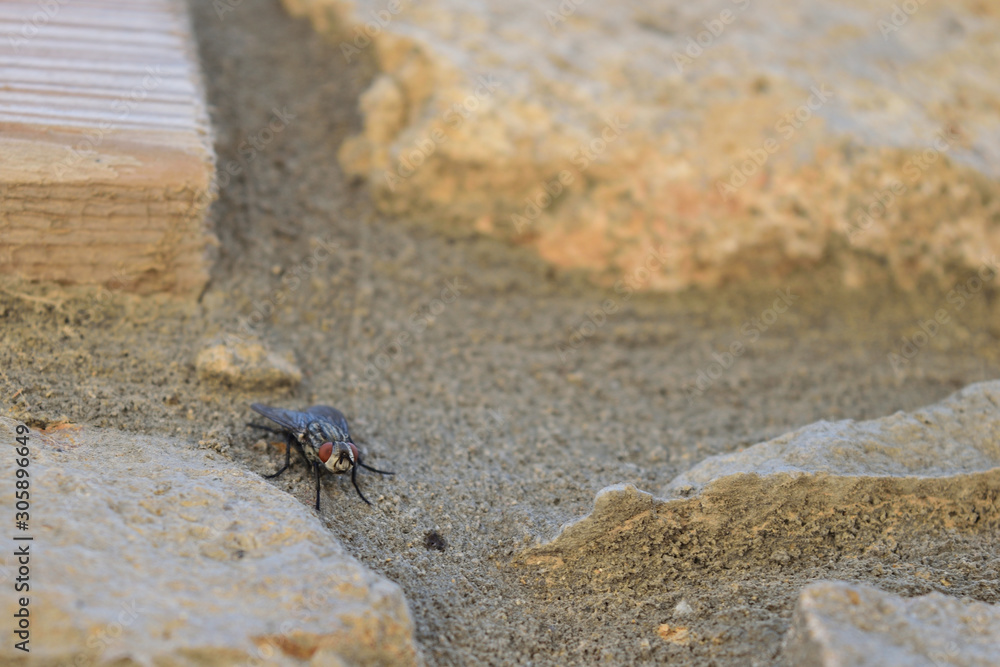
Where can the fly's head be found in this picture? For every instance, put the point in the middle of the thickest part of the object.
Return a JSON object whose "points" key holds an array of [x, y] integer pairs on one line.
{"points": [[338, 457]]}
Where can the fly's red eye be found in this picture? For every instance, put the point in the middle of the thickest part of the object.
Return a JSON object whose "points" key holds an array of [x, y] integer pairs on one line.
{"points": [[325, 450], [354, 452]]}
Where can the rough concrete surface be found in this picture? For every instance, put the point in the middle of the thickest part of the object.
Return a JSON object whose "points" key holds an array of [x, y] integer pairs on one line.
{"points": [[828, 490], [148, 550], [503, 411], [838, 624], [749, 137]]}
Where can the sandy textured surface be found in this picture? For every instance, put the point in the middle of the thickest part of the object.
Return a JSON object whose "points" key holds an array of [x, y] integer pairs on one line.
{"points": [[846, 490], [502, 410]]}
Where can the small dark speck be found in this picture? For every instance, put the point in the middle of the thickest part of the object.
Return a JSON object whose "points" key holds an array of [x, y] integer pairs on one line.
{"points": [[434, 540], [239, 554]]}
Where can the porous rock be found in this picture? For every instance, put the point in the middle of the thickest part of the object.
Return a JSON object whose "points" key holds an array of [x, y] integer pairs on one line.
{"points": [[751, 138], [961, 434], [148, 550], [838, 624], [830, 489]]}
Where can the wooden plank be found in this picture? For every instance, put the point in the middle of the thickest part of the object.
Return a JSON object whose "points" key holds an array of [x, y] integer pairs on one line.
{"points": [[106, 161]]}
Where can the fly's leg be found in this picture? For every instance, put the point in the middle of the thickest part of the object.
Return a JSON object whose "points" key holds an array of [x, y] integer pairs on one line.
{"points": [[289, 439], [381, 472], [316, 466], [302, 451], [354, 481]]}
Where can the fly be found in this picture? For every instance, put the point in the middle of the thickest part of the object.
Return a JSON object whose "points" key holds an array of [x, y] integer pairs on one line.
{"points": [[321, 436]]}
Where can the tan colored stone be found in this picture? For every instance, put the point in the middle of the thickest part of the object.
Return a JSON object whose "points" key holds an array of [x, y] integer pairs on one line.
{"points": [[829, 489], [645, 139], [839, 624], [148, 550], [247, 365]]}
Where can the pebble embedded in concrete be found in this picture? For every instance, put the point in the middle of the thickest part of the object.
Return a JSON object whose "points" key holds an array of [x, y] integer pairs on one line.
{"points": [[247, 365]]}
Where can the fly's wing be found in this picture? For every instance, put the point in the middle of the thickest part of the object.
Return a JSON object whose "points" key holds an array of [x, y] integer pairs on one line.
{"points": [[332, 416], [290, 420]]}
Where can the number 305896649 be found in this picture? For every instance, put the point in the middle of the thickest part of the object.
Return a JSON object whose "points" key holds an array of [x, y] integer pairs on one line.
{"points": [[22, 484]]}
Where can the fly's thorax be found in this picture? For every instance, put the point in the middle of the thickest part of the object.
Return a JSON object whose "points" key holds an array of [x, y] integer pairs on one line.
{"points": [[326, 431], [317, 433]]}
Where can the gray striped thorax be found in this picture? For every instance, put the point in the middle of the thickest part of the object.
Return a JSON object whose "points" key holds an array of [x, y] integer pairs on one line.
{"points": [[324, 431]]}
